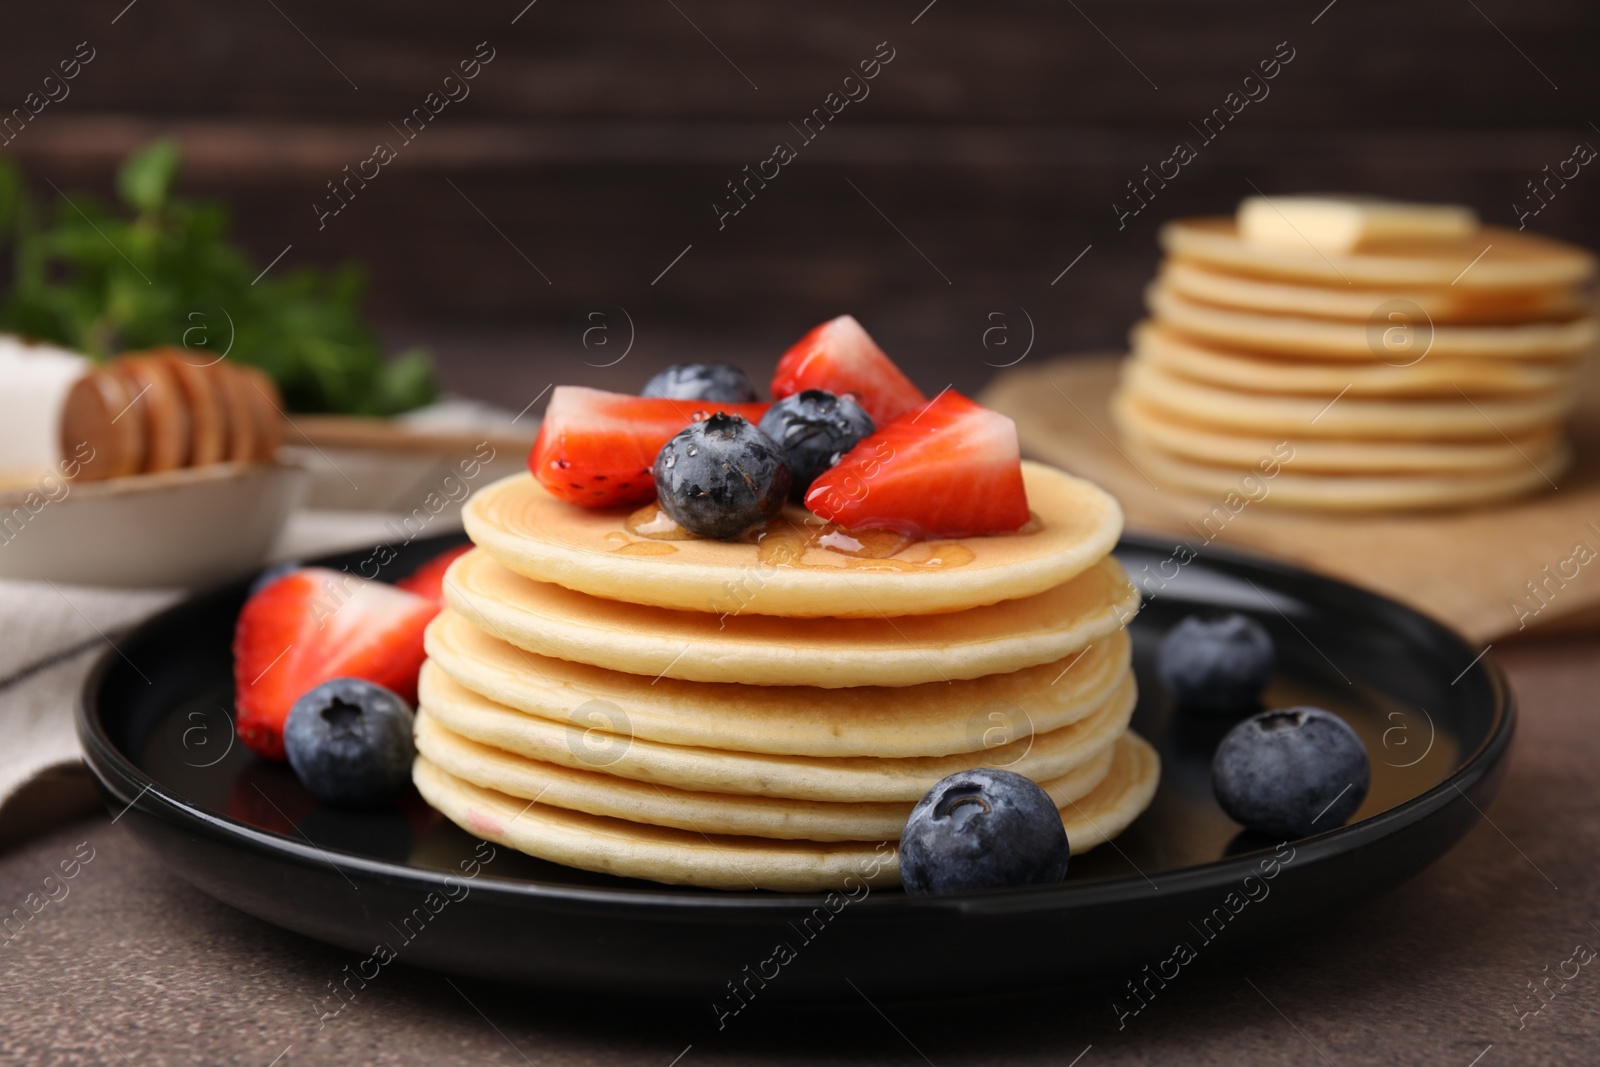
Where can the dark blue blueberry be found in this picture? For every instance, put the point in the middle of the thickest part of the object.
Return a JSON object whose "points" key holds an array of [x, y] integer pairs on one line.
{"points": [[983, 829], [721, 477], [722, 383], [349, 742], [273, 573], [814, 428], [1291, 773], [1217, 661]]}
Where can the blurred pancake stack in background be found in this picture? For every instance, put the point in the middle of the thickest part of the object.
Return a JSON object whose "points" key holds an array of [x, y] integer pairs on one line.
{"points": [[1372, 355]]}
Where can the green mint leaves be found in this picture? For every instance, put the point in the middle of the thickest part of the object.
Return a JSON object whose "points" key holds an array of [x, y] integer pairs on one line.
{"points": [[92, 276]]}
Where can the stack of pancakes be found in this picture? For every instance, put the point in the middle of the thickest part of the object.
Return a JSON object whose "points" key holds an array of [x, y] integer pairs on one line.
{"points": [[765, 715], [1408, 371]]}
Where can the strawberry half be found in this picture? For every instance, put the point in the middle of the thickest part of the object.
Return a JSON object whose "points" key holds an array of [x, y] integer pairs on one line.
{"points": [[313, 625], [428, 579], [952, 468], [596, 448], [841, 357]]}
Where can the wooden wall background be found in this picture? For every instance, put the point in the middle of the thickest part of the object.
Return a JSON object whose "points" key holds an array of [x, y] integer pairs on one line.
{"points": [[995, 142]]}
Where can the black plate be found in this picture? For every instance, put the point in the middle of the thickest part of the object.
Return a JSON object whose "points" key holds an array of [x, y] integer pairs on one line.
{"points": [[1437, 720]]}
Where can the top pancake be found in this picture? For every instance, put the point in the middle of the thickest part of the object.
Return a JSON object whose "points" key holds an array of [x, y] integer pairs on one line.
{"points": [[588, 550], [1509, 259]]}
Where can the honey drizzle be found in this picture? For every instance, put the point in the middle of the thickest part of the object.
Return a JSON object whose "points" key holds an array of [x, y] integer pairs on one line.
{"points": [[784, 542], [653, 522], [624, 545]]}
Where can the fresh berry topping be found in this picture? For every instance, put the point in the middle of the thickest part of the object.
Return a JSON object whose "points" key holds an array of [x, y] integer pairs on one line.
{"points": [[1217, 662], [428, 579], [596, 448], [949, 469], [273, 573], [840, 357], [314, 625], [1291, 773], [815, 429], [983, 829], [349, 742], [721, 477], [721, 383]]}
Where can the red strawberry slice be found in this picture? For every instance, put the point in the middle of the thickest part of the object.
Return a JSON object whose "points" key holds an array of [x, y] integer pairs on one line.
{"points": [[950, 469], [841, 357], [428, 579], [313, 625], [596, 448]]}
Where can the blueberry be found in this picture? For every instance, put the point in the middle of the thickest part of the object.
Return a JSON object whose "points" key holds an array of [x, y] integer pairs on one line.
{"points": [[719, 382], [982, 829], [1291, 773], [1217, 661], [349, 742], [273, 573], [814, 428], [721, 477]]}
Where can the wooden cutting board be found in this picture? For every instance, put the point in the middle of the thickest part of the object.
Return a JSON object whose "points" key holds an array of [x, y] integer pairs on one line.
{"points": [[1491, 573]]}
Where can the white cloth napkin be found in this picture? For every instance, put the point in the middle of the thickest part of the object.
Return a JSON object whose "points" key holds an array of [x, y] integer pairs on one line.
{"points": [[50, 635]]}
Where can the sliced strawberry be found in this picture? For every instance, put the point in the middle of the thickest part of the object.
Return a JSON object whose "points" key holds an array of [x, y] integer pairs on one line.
{"points": [[841, 357], [428, 579], [313, 625], [949, 469], [596, 448]]}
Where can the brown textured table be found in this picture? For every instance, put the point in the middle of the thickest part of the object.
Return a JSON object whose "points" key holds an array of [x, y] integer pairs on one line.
{"points": [[134, 966]]}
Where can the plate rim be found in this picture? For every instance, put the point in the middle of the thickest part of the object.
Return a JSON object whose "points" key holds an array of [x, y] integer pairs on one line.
{"points": [[121, 779]]}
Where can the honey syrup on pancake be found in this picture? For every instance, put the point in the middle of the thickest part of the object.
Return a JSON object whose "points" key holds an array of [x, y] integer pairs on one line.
{"points": [[784, 541]]}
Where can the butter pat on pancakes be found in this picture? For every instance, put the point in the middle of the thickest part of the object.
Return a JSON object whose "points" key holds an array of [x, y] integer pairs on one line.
{"points": [[1342, 223]]}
